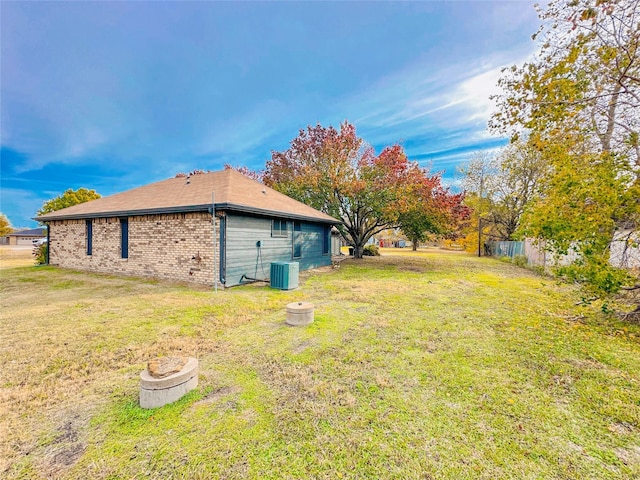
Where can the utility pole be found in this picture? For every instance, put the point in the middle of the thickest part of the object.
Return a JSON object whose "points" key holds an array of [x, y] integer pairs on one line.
{"points": [[480, 213]]}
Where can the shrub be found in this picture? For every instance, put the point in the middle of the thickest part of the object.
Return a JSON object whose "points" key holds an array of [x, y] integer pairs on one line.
{"points": [[539, 269], [40, 253], [521, 260], [371, 251], [598, 277]]}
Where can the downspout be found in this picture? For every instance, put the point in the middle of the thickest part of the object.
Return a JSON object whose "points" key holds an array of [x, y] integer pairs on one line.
{"points": [[48, 244], [223, 250]]}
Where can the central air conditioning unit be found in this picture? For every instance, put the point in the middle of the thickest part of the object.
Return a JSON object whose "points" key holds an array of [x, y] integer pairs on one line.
{"points": [[284, 275]]}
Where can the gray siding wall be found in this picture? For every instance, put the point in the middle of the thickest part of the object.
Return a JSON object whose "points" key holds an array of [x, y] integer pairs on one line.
{"points": [[243, 257]]}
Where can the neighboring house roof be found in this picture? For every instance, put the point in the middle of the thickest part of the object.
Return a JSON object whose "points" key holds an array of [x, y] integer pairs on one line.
{"points": [[193, 193], [33, 232]]}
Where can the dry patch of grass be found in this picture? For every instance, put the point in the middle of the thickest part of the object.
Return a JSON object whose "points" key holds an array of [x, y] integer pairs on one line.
{"points": [[417, 366], [15, 256]]}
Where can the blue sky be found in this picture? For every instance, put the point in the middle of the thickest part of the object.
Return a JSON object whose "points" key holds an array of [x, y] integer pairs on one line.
{"points": [[114, 95]]}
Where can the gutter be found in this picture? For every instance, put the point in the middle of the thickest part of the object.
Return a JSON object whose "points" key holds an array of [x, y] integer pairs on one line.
{"points": [[188, 209]]}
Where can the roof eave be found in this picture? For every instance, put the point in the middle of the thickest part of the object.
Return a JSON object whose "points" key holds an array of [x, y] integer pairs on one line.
{"points": [[127, 213], [188, 209], [273, 213]]}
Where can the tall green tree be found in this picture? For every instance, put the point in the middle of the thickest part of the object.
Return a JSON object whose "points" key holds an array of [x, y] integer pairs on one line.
{"points": [[334, 171], [68, 199], [585, 198], [5, 225], [579, 105]]}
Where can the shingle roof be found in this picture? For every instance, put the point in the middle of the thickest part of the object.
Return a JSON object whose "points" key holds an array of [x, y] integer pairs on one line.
{"points": [[233, 191], [33, 232]]}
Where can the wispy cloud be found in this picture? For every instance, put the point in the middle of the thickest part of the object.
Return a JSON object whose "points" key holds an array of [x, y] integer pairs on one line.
{"points": [[474, 93], [112, 95], [438, 112]]}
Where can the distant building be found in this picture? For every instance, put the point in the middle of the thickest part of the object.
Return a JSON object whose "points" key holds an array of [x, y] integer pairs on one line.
{"points": [[25, 237]]}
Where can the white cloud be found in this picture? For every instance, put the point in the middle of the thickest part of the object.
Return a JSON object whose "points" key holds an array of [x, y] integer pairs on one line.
{"points": [[474, 93], [419, 98]]}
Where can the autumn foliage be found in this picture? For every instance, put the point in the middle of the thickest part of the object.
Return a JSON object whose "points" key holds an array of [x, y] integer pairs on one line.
{"points": [[336, 172], [577, 103], [5, 225], [246, 171]]}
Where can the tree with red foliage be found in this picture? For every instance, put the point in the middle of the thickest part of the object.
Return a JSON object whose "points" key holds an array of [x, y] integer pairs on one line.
{"points": [[434, 211], [335, 172], [246, 171]]}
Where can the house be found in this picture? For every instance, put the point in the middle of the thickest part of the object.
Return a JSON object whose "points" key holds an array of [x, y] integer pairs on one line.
{"points": [[217, 228], [25, 237]]}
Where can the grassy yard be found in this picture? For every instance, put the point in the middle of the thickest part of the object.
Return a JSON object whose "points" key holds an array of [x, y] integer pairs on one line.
{"points": [[418, 366], [14, 256]]}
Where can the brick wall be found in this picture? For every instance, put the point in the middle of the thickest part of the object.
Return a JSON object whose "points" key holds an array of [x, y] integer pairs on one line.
{"points": [[172, 246]]}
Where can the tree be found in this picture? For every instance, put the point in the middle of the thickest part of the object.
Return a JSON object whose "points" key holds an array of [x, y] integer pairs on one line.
{"points": [[246, 171], [503, 185], [585, 198], [520, 170], [586, 79], [335, 172], [579, 105], [192, 172], [5, 225], [476, 175], [68, 199], [435, 211]]}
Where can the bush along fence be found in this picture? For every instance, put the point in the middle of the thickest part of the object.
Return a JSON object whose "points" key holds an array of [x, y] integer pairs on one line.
{"points": [[624, 252]]}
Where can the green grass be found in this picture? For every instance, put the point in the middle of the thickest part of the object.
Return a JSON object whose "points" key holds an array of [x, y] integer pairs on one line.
{"points": [[419, 366]]}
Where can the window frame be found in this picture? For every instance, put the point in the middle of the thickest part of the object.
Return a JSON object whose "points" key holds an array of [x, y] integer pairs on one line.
{"points": [[89, 233], [279, 232], [296, 240], [326, 240], [124, 237]]}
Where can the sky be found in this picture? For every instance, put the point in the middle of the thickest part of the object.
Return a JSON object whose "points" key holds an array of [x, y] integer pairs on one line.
{"points": [[114, 95]]}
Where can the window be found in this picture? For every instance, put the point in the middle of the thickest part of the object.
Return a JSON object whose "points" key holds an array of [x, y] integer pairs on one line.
{"points": [[279, 228], [326, 240], [124, 237], [297, 240], [89, 237]]}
